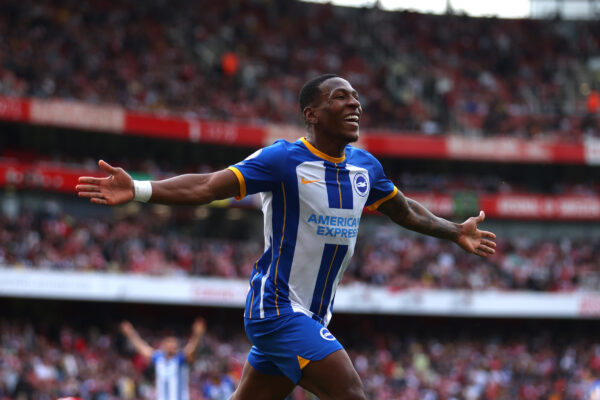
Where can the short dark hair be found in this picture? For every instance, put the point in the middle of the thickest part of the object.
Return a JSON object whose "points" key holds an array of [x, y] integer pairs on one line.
{"points": [[310, 91]]}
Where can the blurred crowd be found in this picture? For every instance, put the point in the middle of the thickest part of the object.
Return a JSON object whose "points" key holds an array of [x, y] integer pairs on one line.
{"points": [[246, 61], [493, 183], [390, 257], [133, 244], [148, 243], [96, 364], [474, 368]]}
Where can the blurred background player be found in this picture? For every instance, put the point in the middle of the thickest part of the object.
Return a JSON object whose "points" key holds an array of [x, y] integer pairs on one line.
{"points": [[170, 361]]}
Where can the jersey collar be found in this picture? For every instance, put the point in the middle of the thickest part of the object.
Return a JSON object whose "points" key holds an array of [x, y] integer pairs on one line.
{"points": [[320, 154]]}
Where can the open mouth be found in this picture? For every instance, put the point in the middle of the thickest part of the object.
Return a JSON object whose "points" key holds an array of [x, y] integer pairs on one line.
{"points": [[352, 119]]}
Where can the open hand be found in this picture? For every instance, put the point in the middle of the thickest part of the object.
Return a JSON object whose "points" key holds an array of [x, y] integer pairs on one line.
{"points": [[115, 189], [474, 240], [126, 328], [199, 327]]}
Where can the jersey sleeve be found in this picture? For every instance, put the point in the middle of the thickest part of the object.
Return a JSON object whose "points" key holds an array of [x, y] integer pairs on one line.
{"points": [[262, 170], [382, 188]]}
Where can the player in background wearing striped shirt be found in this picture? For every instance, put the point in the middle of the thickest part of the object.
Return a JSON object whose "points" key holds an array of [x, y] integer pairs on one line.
{"points": [[313, 193], [170, 362]]}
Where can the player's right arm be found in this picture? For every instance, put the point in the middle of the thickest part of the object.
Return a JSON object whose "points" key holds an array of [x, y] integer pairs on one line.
{"points": [[140, 345], [118, 187]]}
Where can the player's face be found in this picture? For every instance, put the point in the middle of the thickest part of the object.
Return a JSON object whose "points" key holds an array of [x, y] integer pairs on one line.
{"points": [[339, 110], [170, 346]]}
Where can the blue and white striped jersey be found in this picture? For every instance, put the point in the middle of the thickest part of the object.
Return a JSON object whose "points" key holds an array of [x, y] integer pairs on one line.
{"points": [[312, 205], [171, 376]]}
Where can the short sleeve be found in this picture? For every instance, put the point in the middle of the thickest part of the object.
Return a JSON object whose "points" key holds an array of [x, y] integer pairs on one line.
{"points": [[262, 170], [382, 188]]}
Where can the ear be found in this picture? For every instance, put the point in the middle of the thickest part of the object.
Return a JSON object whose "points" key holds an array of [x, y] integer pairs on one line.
{"points": [[311, 116]]}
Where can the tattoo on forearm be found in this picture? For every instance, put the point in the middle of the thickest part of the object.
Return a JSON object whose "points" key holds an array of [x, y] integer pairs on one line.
{"points": [[422, 220]]}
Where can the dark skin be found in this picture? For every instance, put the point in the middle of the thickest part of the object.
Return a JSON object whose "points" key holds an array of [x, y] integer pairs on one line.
{"points": [[332, 122]]}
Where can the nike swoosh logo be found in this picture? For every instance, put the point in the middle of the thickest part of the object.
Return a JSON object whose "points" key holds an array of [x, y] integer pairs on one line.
{"points": [[304, 181]]}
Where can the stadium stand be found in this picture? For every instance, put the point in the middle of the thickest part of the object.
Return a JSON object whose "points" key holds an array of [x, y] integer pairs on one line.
{"points": [[53, 239], [397, 358], [432, 74]]}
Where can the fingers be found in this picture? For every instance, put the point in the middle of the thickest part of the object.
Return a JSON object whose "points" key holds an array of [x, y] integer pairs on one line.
{"points": [[94, 196], [87, 188], [486, 234], [488, 243], [486, 250], [481, 253], [107, 167], [99, 201], [90, 179], [88, 195], [486, 247]]}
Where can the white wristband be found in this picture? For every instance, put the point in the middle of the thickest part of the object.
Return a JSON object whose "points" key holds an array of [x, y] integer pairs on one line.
{"points": [[142, 190]]}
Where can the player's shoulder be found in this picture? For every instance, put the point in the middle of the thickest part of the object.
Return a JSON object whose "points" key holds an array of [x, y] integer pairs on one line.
{"points": [[279, 146], [360, 157], [294, 151], [271, 153]]}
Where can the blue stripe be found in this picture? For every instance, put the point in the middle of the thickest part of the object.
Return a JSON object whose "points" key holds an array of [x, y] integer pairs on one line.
{"points": [[331, 261], [333, 193], [337, 181], [346, 187]]}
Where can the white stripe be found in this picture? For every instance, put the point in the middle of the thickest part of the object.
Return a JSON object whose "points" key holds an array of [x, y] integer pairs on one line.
{"points": [[299, 308], [173, 379], [267, 208], [262, 293], [157, 382]]}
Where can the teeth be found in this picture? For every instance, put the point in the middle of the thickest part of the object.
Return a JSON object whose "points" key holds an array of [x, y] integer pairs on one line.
{"points": [[352, 118]]}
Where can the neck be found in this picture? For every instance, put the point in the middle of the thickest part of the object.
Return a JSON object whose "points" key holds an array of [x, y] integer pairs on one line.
{"points": [[328, 146]]}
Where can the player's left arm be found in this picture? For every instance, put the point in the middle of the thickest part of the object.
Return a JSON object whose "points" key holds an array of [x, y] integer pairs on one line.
{"points": [[198, 331], [412, 215]]}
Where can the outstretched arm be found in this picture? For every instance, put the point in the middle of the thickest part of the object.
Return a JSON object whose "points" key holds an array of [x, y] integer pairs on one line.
{"points": [[412, 215], [198, 330], [118, 188], [140, 345]]}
